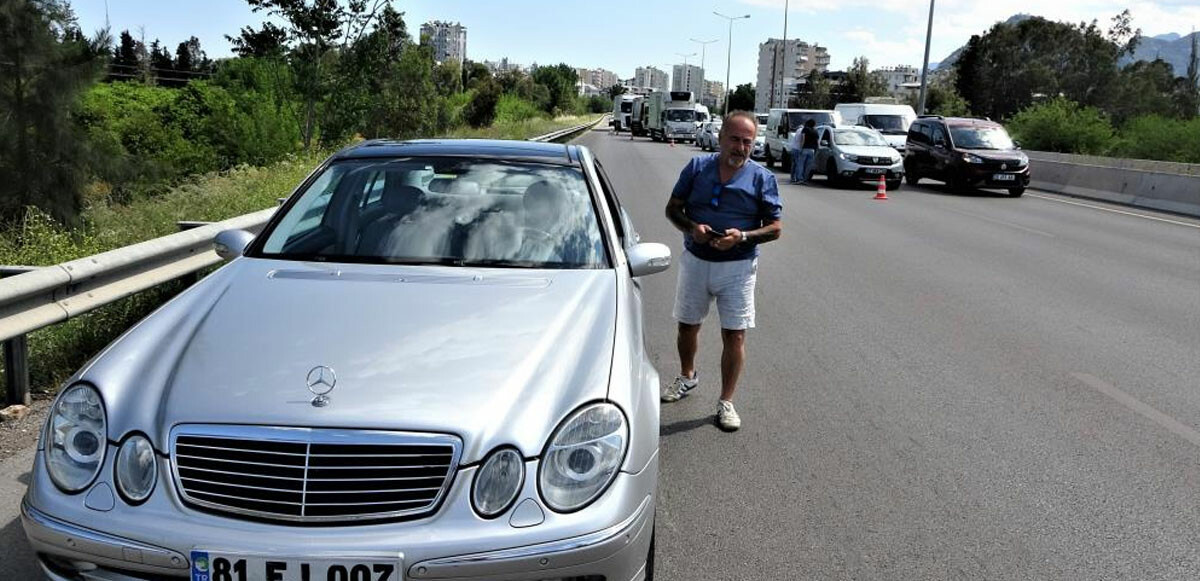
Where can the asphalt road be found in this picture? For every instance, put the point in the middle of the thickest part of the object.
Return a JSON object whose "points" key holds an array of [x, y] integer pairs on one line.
{"points": [[940, 387]]}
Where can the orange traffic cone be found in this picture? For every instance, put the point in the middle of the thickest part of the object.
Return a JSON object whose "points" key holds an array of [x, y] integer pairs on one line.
{"points": [[672, 140], [881, 189]]}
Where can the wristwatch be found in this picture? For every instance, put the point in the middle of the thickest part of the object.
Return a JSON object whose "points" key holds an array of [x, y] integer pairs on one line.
{"points": [[743, 238]]}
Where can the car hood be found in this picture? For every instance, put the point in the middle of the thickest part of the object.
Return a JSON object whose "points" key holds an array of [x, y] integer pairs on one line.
{"points": [[495, 356], [998, 154], [871, 150]]}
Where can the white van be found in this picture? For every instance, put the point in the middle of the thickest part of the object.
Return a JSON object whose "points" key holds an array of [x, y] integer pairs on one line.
{"points": [[890, 120], [782, 123]]}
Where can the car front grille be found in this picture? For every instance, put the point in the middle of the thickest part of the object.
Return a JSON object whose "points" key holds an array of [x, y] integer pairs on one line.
{"points": [[302, 475], [868, 160]]}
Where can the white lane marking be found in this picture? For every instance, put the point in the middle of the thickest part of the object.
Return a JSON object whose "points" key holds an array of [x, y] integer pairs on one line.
{"points": [[1003, 223], [1169, 423], [1113, 210]]}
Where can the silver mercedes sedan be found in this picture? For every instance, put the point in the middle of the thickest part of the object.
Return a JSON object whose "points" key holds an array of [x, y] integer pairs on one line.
{"points": [[428, 365]]}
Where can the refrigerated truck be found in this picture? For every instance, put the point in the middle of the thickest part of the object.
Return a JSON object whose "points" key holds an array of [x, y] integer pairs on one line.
{"points": [[674, 115], [622, 110]]}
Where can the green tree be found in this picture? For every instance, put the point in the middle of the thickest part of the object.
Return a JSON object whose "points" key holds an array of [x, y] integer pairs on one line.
{"points": [[481, 111], [475, 74], [268, 42], [447, 77], [817, 92], [318, 28], [861, 82], [125, 57], [1062, 125], [46, 62], [742, 98], [615, 91], [1012, 65], [560, 80]]}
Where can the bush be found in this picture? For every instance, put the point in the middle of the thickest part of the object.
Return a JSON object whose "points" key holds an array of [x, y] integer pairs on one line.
{"points": [[511, 109], [481, 111], [1160, 138], [1063, 126]]}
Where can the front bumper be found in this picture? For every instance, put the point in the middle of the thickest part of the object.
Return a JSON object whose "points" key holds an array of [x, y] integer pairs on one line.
{"points": [[985, 177], [849, 170], [610, 538]]}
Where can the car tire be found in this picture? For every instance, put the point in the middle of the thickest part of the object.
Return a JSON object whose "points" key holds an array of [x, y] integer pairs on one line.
{"points": [[767, 154], [1016, 192], [786, 162], [911, 177], [956, 185], [831, 174], [893, 185]]}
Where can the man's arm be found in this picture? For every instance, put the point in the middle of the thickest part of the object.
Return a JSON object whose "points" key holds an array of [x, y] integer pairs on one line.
{"points": [[700, 233], [770, 230]]}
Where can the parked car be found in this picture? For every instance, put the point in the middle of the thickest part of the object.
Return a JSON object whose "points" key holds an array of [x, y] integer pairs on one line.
{"points": [[853, 154], [429, 364], [707, 136], [965, 153], [782, 123], [758, 152], [890, 120]]}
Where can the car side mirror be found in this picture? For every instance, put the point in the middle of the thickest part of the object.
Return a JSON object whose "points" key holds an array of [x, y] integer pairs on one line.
{"points": [[648, 258], [1016, 144], [230, 244]]}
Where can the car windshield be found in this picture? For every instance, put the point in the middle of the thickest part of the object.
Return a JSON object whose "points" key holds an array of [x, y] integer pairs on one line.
{"points": [[796, 119], [886, 124], [626, 106], [762, 130], [857, 137], [681, 115], [441, 210], [971, 137]]}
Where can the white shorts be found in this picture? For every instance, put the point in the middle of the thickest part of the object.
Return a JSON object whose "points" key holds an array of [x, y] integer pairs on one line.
{"points": [[731, 283]]}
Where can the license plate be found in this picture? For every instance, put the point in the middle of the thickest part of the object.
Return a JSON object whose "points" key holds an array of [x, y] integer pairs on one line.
{"points": [[216, 566], [1004, 177], [875, 170]]}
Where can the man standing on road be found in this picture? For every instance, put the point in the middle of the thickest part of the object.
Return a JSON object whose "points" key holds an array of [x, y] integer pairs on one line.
{"points": [[804, 148], [726, 205]]}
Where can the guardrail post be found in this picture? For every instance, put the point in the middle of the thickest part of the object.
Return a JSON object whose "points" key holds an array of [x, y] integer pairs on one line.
{"points": [[16, 370]]}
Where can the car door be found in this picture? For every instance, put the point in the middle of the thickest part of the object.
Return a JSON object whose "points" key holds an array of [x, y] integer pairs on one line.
{"points": [[824, 149], [939, 153]]}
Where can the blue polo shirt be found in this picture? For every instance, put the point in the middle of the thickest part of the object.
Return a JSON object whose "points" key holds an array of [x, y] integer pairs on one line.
{"points": [[747, 200]]}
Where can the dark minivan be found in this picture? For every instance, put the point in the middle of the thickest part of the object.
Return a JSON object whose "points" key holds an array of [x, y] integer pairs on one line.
{"points": [[965, 153]]}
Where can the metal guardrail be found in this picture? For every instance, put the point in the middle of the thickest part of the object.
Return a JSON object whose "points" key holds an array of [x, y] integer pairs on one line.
{"points": [[568, 132], [35, 297]]}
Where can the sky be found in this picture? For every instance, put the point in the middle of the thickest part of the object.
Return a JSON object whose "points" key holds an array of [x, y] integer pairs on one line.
{"points": [[620, 35]]}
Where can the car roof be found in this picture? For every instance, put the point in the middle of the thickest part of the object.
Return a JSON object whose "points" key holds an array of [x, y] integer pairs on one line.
{"points": [[491, 148], [964, 121]]}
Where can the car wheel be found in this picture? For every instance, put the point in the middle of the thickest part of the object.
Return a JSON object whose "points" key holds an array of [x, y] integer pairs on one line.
{"points": [[1016, 192], [893, 184], [911, 176], [786, 162], [956, 185], [770, 160], [831, 173]]}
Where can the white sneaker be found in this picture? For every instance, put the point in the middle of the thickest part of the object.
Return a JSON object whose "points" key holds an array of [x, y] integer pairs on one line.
{"points": [[727, 417], [680, 387]]}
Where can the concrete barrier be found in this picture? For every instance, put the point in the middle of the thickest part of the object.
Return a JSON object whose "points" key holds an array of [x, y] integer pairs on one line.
{"points": [[1158, 185]]}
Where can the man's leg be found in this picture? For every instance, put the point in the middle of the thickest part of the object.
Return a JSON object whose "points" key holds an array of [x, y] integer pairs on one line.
{"points": [[733, 358], [687, 343]]}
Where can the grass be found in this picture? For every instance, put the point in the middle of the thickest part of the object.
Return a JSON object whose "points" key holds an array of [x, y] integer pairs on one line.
{"points": [[55, 352]]}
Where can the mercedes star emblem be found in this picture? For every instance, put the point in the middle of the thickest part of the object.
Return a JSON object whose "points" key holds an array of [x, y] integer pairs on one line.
{"points": [[1004, 166], [320, 382]]}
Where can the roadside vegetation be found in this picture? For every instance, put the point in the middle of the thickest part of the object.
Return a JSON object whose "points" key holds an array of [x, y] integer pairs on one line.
{"points": [[124, 139]]}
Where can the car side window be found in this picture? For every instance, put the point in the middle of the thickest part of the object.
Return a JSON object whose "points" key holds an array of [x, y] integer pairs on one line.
{"points": [[939, 136], [625, 231], [914, 133]]}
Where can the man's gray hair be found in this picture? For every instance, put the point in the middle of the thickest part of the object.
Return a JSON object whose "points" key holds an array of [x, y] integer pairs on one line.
{"points": [[738, 113]]}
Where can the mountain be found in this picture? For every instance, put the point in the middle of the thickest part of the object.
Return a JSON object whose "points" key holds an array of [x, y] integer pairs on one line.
{"points": [[1176, 51], [1172, 47]]}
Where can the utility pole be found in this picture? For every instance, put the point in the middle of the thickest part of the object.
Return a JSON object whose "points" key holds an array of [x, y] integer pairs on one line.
{"points": [[687, 77], [925, 66], [783, 72], [728, 55], [703, 48]]}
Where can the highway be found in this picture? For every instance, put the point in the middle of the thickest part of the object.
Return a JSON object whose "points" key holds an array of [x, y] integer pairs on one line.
{"points": [[940, 386]]}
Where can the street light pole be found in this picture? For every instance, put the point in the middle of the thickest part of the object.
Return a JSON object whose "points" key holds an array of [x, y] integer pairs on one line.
{"points": [[728, 57], [703, 49], [925, 66], [686, 75]]}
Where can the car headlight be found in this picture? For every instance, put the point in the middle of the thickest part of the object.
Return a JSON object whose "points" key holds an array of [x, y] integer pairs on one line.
{"points": [[583, 456], [498, 482], [76, 438], [972, 158], [136, 469], [848, 157]]}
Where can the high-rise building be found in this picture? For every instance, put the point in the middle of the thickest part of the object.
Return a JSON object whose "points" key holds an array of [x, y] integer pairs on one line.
{"points": [[501, 66], [781, 66], [597, 77], [650, 78], [449, 40], [714, 94], [687, 78]]}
